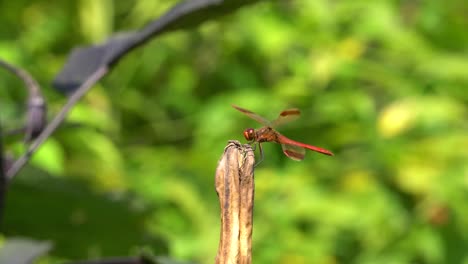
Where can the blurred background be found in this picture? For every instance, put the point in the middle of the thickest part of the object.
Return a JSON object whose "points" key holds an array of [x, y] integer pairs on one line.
{"points": [[382, 84]]}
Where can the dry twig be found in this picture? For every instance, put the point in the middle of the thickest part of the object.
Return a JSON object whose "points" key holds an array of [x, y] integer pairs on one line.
{"points": [[235, 187]]}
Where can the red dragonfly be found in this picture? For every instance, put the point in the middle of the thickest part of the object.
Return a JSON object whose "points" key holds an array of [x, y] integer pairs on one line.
{"points": [[292, 149]]}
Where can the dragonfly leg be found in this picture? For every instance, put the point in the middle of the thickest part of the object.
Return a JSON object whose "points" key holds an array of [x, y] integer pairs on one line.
{"points": [[261, 154], [253, 145]]}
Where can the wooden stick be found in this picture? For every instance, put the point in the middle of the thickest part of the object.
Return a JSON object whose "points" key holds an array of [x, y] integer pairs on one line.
{"points": [[235, 187]]}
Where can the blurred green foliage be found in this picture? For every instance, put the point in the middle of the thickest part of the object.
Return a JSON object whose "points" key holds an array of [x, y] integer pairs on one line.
{"points": [[383, 84]]}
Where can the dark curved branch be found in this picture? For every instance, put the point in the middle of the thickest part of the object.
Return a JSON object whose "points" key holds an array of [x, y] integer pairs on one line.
{"points": [[83, 61], [36, 105], [58, 119]]}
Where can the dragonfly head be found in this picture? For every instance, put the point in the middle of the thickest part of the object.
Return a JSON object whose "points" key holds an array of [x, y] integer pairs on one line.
{"points": [[249, 134]]}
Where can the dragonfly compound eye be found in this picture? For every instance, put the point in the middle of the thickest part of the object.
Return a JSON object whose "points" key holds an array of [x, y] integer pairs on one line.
{"points": [[249, 134]]}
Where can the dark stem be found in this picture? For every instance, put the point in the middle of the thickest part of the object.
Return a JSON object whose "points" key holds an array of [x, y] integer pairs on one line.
{"points": [[36, 104], [55, 123]]}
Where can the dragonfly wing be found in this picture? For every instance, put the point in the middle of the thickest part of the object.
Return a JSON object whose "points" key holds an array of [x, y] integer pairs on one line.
{"points": [[293, 152], [286, 116], [253, 115]]}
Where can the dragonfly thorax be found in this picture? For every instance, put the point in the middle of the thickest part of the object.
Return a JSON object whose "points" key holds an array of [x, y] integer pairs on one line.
{"points": [[249, 134]]}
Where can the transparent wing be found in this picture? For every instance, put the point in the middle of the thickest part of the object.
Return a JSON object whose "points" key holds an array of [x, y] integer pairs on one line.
{"points": [[253, 115], [293, 152], [286, 116]]}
